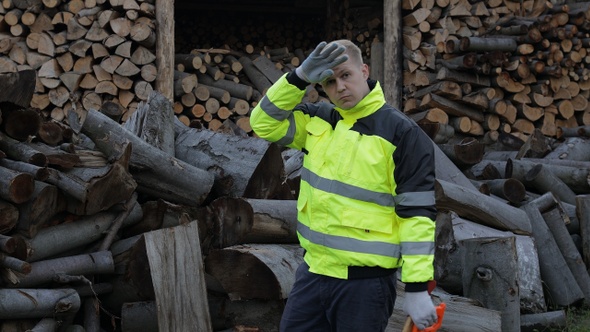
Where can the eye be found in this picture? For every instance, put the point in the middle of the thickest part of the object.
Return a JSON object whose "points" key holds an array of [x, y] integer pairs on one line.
{"points": [[329, 81]]}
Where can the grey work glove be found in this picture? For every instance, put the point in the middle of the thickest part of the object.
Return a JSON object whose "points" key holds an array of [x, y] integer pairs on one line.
{"points": [[318, 65], [420, 308]]}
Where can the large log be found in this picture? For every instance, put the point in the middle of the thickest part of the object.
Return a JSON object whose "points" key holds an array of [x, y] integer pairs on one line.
{"points": [[153, 122], [447, 171], [109, 136], [490, 275], [139, 316], [547, 320], [573, 148], [45, 203], [275, 221], [481, 208], [561, 285], [224, 222], [452, 230], [60, 238], [17, 88], [181, 296], [576, 178], [543, 180], [243, 167], [46, 272], [555, 220], [38, 303], [8, 216], [255, 271], [16, 187], [103, 186]]}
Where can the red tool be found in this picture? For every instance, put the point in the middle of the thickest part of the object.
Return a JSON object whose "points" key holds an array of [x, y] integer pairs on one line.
{"points": [[440, 313]]}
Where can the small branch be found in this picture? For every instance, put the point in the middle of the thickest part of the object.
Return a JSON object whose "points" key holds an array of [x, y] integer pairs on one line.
{"points": [[108, 240]]}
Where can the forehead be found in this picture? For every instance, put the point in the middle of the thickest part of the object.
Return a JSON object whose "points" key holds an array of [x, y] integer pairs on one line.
{"points": [[348, 66]]}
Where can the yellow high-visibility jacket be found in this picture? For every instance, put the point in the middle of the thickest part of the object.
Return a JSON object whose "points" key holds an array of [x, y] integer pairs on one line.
{"points": [[367, 184]]}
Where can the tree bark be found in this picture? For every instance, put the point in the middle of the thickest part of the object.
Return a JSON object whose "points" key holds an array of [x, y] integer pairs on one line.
{"points": [[243, 167], [57, 239], [139, 316], [45, 272], [38, 303], [568, 249], [259, 271], [490, 275], [18, 88], [153, 122], [546, 320], [109, 135], [452, 230], [561, 285], [275, 221], [16, 187], [46, 202], [480, 208]]}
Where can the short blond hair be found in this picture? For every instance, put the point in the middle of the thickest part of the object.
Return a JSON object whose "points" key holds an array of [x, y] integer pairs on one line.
{"points": [[354, 52]]}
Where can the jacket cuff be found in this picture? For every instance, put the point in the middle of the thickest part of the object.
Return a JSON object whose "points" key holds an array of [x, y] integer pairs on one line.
{"points": [[415, 287], [292, 78]]}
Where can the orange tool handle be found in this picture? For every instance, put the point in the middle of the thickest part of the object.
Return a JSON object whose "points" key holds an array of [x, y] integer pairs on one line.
{"points": [[440, 313]]}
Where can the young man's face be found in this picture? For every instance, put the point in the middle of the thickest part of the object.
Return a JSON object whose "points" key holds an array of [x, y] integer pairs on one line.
{"points": [[348, 85]]}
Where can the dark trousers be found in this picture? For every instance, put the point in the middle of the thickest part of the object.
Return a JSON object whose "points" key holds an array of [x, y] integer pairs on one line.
{"points": [[320, 303]]}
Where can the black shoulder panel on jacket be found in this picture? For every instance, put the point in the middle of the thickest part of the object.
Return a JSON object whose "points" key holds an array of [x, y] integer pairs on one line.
{"points": [[322, 110], [388, 123]]}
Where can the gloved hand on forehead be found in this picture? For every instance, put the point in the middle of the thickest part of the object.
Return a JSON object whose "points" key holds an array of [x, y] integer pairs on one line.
{"points": [[318, 65]]}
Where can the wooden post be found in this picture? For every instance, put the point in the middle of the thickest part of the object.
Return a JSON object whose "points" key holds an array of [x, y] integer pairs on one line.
{"points": [[392, 71], [165, 48]]}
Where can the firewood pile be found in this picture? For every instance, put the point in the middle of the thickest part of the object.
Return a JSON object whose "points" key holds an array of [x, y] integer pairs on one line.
{"points": [[123, 210], [494, 67]]}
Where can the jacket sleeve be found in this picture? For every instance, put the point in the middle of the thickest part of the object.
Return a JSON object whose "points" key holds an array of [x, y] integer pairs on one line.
{"points": [[275, 119], [415, 205]]}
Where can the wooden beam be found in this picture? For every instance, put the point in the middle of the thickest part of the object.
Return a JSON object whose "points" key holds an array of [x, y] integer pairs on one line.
{"points": [[392, 69], [165, 48]]}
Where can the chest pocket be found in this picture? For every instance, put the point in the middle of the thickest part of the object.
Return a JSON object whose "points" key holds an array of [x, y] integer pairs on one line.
{"points": [[318, 140], [367, 160]]}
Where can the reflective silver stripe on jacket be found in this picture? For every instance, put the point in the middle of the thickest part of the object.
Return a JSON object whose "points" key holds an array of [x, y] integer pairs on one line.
{"points": [[422, 198], [279, 114], [417, 198], [272, 110], [417, 248], [349, 244], [346, 190]]}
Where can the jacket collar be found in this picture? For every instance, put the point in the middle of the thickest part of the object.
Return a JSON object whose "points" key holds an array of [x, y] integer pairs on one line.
{"points": [[368, 105]]}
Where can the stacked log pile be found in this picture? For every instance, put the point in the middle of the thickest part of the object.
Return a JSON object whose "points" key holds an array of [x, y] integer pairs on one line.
{"points": [[85, 52], [490, 68], [77, 216]]}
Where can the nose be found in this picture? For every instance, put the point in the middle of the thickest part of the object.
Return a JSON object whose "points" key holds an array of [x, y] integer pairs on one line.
{"points": [[340, 85]]}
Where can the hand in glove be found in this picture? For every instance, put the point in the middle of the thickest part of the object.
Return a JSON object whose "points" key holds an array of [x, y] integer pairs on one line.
{"points": [[420, 308], [318, 65]]}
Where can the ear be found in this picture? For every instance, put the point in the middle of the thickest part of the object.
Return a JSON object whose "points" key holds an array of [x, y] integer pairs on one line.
{"points": [[365, 70]]}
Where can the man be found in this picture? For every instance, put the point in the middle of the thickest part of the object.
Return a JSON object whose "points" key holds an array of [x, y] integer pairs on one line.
{"points": [[366, 200]]}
